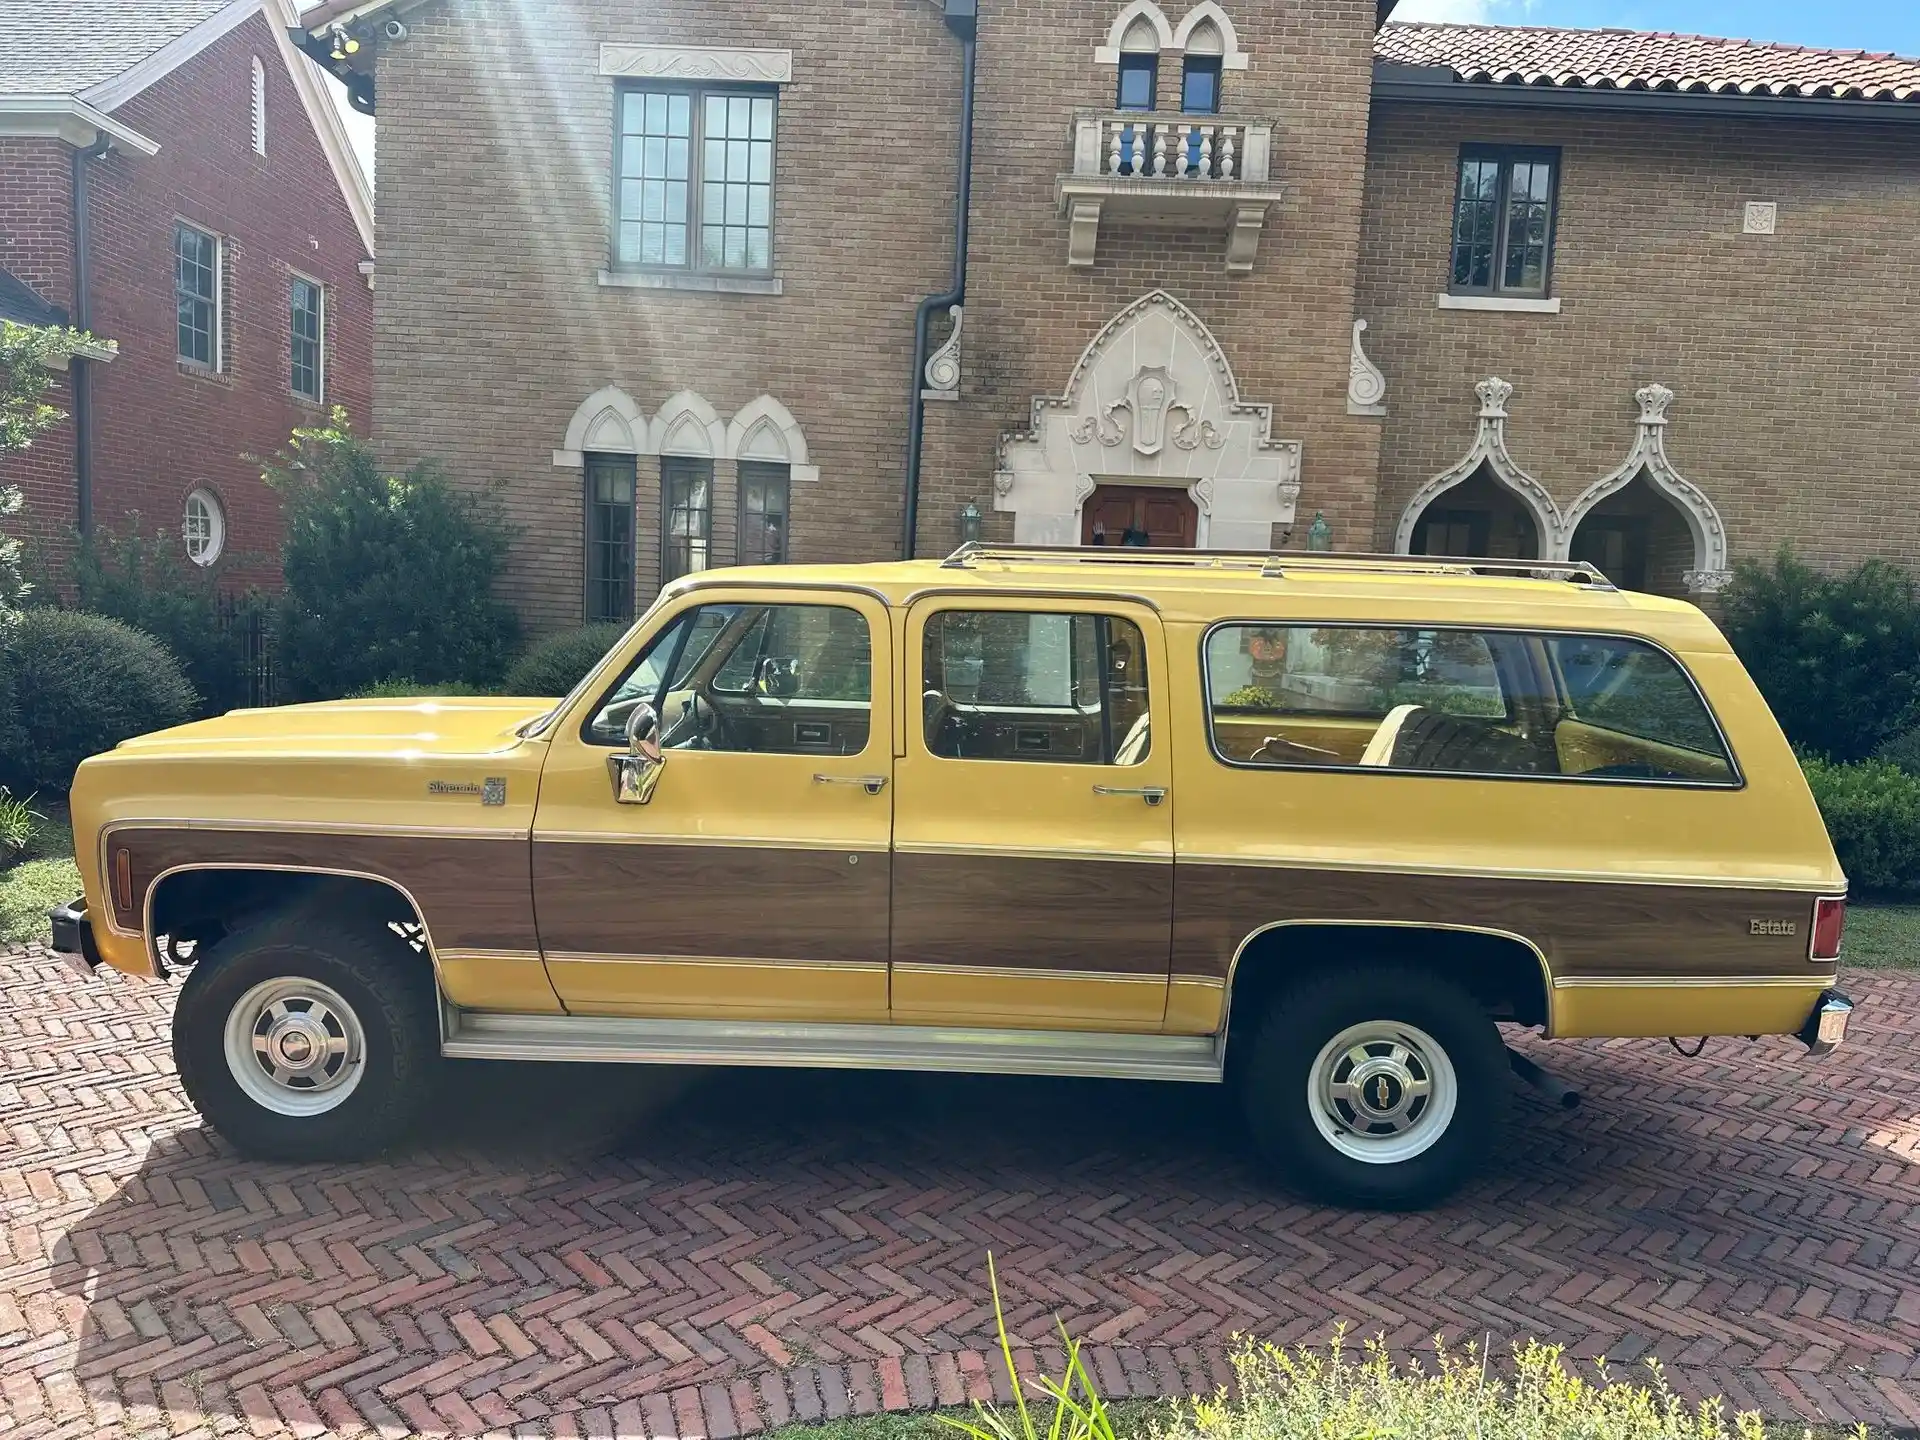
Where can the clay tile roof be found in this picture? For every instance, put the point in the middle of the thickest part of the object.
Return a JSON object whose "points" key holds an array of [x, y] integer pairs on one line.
{"points": [[1648, 60]]}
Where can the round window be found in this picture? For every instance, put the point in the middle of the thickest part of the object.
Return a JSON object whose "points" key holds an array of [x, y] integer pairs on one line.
{"points": [[205, 529]]}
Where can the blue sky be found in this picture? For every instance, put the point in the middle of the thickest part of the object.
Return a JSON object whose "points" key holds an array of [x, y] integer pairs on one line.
{"points": [[1835, 24]]}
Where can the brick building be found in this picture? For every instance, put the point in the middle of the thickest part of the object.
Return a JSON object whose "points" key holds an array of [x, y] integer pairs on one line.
{"points": [[1233, 273], [174, 178]]}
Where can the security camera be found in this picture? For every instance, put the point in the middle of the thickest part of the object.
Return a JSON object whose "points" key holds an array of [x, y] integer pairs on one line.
{"points": [[395, 30]]}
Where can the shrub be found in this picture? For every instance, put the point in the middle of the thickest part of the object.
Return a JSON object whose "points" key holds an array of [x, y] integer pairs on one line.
{"points": [[553, 666], [1310, 1395], [411, 690], [1872, 810], [1838, 657], [16, 825], [386, 574], [1902, 750], [81, 684], [136, 579]]}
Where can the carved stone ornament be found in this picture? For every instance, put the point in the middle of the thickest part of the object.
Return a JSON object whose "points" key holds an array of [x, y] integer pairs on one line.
{"points": [[1366, 386], [943, 366], [1151, 401], [697, 62], [1489, 448], [1648, 457]]}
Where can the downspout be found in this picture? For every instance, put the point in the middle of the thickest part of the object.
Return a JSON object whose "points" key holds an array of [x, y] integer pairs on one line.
{"points": [[79, 368], [962, 18]]}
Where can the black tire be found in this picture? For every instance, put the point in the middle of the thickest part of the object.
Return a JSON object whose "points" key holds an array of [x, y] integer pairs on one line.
{"points": [[1284, 1045], [389, 995]]}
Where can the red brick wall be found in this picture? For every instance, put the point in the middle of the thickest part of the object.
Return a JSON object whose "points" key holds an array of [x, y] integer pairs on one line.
{"points": [[160, 429]]}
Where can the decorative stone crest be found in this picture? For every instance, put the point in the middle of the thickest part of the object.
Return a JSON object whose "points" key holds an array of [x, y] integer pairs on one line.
{"points": [[1366, 386], [697, 62], [1151, 401], [943, 366]]}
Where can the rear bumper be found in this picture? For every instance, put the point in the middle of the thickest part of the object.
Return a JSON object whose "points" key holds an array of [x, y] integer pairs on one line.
{"points": [[1826, 1027], [73, 938]]}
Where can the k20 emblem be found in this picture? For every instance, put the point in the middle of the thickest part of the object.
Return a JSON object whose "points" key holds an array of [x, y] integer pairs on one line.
{"points": [[494, 792], [1772, 927]]}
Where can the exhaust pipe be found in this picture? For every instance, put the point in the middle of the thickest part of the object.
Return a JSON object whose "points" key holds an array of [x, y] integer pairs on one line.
{"points": [[1557, 1091]]}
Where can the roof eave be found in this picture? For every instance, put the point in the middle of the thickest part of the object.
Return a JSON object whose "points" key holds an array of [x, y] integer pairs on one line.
{"points": [[69, 118], [1437, 85]]}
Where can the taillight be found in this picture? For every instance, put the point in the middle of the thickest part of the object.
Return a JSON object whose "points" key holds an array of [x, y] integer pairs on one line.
{"points": [[1829, 919]]}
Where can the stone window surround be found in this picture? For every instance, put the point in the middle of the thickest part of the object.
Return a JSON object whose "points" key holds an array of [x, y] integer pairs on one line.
{"points": [[1172, 40], [712, 64], [609, 422]]}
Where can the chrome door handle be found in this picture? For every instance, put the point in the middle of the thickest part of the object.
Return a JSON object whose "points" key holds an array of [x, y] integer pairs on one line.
{"points": [[1152, 794], [872, 784]]}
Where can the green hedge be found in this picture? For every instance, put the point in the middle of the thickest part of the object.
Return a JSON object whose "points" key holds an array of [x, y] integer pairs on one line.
{"points": [[554, 665], [1872, 810], [81, 684], [413, 690]]}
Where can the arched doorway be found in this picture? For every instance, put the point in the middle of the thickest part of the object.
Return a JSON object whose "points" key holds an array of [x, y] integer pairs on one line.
{"points": [[1479, 517], [1638, 539]]}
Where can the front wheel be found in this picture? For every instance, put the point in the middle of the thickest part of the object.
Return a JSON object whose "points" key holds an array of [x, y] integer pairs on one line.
{"points": [[1377, 1086], [299, 1040]]}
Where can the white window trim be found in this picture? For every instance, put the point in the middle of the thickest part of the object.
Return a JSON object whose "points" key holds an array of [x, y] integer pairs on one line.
{"points": [[712, 63], [216, 526], [219, 365], [1512, 304], [320, 361], [258, 114]]}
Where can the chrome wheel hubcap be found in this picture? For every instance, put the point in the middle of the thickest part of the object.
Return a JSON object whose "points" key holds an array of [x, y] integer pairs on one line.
{"points": [[1382, 1092], [295, 1046]]}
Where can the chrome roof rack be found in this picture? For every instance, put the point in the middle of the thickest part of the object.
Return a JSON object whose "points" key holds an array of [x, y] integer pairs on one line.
{"points": [[1276, 565]]}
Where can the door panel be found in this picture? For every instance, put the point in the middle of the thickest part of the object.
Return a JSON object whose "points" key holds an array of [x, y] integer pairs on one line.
{"points": [[755, 881], [1022, 895], [1165, 516]]}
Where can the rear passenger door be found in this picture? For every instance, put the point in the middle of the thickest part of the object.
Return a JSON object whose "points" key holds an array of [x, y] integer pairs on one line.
{"points": [[1033, 839]]}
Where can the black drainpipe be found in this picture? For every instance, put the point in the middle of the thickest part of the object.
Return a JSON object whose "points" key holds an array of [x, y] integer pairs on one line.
{"points": [[80, 369], [962, 18]]}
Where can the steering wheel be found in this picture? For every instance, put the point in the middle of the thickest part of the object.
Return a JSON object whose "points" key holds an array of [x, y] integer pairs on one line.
{"points": [[697, 727]]}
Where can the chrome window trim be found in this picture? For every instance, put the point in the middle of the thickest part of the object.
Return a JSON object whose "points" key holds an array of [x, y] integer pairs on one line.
{"points": [[1737, 783]]}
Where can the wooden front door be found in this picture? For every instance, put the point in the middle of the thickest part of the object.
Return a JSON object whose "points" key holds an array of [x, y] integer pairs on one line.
{"points": [[1153, 515]]}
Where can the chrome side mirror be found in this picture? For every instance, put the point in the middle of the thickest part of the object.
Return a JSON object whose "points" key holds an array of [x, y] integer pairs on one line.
{"points": [[638, 771]]}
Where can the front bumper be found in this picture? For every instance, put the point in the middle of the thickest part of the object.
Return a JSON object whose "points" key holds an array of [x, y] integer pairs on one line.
{"points": [[1826, 1027], [73, 938]]}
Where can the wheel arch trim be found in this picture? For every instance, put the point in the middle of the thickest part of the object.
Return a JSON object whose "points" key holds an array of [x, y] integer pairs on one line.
{"points": [[339, 872], [1547, 979]]}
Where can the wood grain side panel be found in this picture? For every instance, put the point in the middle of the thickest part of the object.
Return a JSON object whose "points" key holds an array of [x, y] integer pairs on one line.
{"points": [[762, 902], [472, 892], [1585, 929], [1023, 913]]}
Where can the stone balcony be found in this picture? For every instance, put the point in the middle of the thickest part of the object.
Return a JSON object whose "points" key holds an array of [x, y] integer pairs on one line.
{"points": [[1190, 172]]}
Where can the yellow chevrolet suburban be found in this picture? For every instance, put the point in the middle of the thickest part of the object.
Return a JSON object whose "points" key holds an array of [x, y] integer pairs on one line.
{"points": [[1313, 825]]}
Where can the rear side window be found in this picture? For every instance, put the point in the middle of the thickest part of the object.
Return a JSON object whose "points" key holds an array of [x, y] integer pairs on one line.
{"points": [[1459, 701], [1030, 686]]}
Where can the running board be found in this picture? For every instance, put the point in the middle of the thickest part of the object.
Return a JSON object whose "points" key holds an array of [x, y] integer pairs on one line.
{"points": [[470, 1035]]}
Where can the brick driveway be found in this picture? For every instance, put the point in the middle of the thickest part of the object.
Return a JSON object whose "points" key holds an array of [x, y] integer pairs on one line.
{"points": [[635, 1251]]}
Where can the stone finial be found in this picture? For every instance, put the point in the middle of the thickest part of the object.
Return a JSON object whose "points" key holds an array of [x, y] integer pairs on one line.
{"points": [[1654, 400], [1494, 394]]}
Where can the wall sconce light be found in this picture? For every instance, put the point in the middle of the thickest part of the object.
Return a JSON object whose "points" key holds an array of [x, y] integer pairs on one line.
{"points": [[969, 524], [1319, 534]]}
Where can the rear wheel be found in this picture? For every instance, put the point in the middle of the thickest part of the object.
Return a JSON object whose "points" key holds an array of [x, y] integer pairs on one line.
{"points": [[300, 1040], [1377, 1086]]}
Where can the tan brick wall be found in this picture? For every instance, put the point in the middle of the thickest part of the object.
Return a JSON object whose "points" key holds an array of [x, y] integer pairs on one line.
{"points": [[495, 153], [1795, 357], [1285, 328]]}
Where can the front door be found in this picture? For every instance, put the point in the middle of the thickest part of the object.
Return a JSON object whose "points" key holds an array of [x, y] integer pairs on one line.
{"points": [[1155, 516], [1033, 833], [753, 880]]}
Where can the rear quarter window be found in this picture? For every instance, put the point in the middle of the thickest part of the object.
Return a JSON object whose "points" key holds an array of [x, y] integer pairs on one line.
{"points": [[1447, 700]]}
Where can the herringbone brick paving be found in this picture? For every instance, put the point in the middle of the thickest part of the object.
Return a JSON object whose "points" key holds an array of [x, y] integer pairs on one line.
{"points": [[638, 1252]]}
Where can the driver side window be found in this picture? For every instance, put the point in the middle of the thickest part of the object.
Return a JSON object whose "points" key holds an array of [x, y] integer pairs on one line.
{"points": [[746, 678]]}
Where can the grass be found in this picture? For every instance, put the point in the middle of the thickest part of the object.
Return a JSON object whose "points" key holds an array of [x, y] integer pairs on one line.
{"points": [[1132, 1420], [44, 877], [1882, 937]]}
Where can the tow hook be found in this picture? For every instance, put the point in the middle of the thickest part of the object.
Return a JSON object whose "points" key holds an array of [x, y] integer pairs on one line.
{"points": [[1556, 1090], [1826, 1027]]}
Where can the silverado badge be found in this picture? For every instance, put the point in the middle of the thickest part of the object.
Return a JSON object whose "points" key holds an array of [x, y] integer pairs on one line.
{"points": [[493, 792]]}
